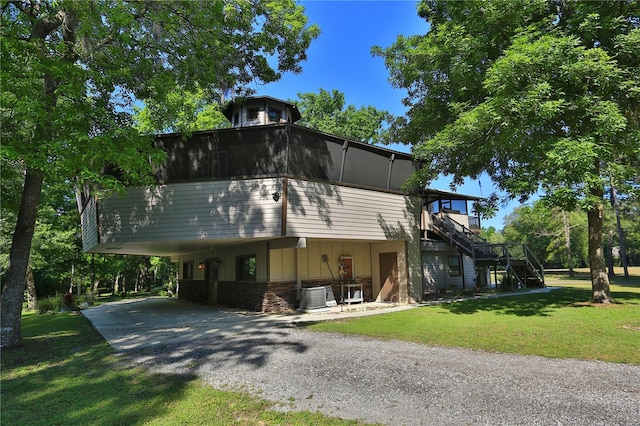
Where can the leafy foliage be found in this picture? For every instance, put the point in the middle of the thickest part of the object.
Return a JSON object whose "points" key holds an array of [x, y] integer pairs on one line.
{"points": [[72, 72], [536, 94], [519, 89], [541, 227], [325, 111], [185, 111]]}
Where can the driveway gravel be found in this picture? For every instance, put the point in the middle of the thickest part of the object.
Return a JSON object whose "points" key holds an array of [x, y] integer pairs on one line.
{"points": [[390, 382]]}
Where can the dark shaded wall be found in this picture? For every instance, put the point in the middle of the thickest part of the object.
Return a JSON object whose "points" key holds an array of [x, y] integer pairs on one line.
{"points": [[280, 150]]}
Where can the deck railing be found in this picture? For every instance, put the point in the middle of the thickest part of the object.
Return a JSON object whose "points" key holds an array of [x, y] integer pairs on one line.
{"points": [[481, 250]]}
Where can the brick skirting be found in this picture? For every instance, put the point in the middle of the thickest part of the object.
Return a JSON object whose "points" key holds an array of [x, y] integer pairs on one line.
{"points": [[278, 297], [192, 290]]}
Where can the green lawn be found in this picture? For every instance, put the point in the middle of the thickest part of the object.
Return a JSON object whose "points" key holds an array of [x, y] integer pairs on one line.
{"points": [[66, 374], [557, 324]]}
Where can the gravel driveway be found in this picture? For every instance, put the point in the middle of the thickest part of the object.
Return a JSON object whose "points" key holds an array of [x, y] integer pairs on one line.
{"points": [[389, 382]]}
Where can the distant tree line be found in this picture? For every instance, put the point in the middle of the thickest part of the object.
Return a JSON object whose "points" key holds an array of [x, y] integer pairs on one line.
{"points": [[559, 238]]}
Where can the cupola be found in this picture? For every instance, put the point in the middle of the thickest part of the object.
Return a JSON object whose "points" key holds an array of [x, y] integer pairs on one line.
{"points": [[260, 111]]}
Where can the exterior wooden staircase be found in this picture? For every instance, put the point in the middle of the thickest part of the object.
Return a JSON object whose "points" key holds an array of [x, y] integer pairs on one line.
{"points": [[517, 259]]}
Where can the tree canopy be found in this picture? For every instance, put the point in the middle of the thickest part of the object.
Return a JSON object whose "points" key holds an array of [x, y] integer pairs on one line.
{"points": [[540, 95], [557, 238], [325, 111], [184, 111], [72, 71]]}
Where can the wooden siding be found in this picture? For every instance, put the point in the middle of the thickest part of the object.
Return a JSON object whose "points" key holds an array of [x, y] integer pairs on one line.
{"points": [[320, 210], [435, 268], [469, 272], [192, 211], [89, 225], [283, 264], [306, 263]]}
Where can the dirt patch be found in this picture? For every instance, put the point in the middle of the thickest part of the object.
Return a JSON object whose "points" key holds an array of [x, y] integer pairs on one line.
{"points": [[596, 305], [631, 327]]}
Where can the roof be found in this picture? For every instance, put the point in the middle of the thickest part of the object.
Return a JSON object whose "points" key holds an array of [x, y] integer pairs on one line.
{"points": [[228, 109], [430, 195]]}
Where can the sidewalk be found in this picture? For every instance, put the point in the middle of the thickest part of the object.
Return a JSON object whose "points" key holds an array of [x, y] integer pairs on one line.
{"points": [[343, 311]]}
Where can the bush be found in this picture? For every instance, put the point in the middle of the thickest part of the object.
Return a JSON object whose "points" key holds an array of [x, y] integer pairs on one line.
{"points": [[50, 304], [87, 299], [68, 299]]}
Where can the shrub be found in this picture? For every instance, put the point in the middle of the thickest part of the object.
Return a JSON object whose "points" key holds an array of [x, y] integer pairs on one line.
{"points": [[68, 299], [87, 299], [49, 304]]}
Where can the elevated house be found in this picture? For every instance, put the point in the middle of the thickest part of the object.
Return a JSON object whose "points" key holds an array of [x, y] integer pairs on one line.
{"points": [[271, 216]]}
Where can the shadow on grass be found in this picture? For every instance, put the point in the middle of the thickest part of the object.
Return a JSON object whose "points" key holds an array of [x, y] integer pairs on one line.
{"points": [[63, 374], [535, 304]]}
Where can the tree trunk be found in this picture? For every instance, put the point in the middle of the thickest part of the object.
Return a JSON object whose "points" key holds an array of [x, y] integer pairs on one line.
{"points": [[599, 278], [567, 241], [609, 253], [73, 276], [95, 283], [623, 250], [116, 284], [147, 275], [15, 279], [32, 297]]}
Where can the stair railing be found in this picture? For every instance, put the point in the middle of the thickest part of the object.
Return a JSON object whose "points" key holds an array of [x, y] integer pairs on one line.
{"points": [[454, 231], [479, 248], [534, 265]]}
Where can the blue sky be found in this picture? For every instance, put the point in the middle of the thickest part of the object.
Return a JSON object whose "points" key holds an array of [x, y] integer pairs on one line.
{"points": [[340, 58]]}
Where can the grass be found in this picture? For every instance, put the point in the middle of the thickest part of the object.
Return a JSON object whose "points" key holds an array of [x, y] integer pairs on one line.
{"points": [[66, 374], [558, 324]]}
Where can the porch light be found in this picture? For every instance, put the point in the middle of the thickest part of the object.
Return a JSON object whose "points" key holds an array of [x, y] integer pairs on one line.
{"points": [[201, 265]]}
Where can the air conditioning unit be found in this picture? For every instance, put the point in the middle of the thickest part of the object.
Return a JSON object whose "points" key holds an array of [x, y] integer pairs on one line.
{"points": [[313, 298]]}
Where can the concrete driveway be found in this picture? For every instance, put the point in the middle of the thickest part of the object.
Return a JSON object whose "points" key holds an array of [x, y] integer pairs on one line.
{"points": [[145, 323], [389, 382]]}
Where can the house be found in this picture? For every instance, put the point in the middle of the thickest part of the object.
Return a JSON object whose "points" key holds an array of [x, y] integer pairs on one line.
{"points": [[268, 215]]}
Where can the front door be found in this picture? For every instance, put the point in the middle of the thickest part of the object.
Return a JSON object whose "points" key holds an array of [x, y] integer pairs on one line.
{"points": [[389, 285], [211, 281]]}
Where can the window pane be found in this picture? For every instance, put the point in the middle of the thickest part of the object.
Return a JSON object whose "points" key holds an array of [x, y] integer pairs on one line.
{"points": [[454, 266], [252, 113], [187, 270], [246, 268], [274, 114]]}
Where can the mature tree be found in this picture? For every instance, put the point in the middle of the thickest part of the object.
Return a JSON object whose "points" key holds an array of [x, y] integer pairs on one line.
{"points": [[631, 213], [325, 111], [185, 111], [556, 237], [623, 228], [71, 71], [56, 252], [492, 235], [538, 94]]}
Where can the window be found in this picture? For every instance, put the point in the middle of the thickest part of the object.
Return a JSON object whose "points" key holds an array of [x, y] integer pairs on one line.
{"points": [[187, 271], [449, 206], [246, 268], [454, 266], [275, 114], [252, 113]]}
